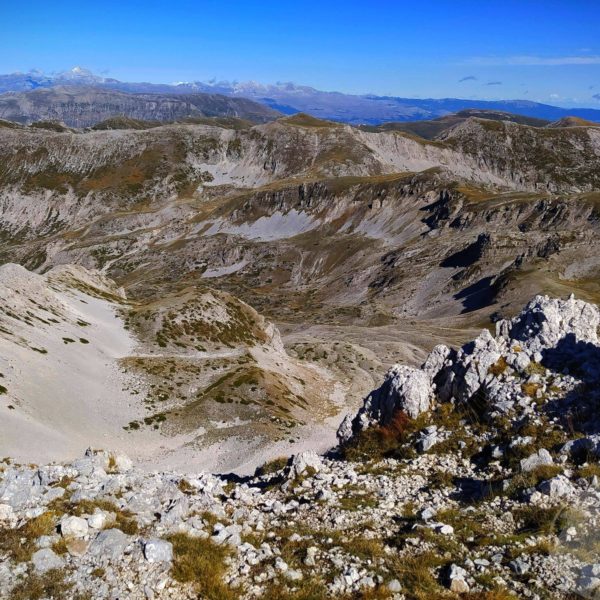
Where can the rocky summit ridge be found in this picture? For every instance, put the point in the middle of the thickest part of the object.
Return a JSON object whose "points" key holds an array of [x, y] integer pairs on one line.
{"points": [[474, 476]]}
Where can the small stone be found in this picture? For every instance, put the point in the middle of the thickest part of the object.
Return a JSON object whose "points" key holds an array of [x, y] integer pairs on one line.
{"points": [[45, 541], [308, 461], [557, 487], [46, 559], [427, 440], [77, 547], [98, 520], [293, 575], [428, 514], [73, 527], [280, 565], [158, 551], [519, 566], [110, 543], [394, 586], [457, 579], [445, 529], [540, 458]]}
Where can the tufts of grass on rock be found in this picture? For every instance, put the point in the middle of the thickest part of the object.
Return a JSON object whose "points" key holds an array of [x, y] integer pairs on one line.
{"points": [[201, 563], [51, 584], [19, 543]]}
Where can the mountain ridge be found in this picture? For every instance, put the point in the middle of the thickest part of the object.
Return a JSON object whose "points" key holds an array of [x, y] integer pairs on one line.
{"points": [[367, 109]]}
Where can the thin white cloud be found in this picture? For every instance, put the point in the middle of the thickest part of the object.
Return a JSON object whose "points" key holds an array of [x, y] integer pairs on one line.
{"points": [[532, 61]]}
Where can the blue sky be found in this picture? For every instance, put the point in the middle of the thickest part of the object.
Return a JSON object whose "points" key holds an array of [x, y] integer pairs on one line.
{"points": [[547, 50]]}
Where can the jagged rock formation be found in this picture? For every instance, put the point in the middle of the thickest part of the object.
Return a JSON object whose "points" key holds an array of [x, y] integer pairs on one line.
{"points": [[545, 322], [405, 389], [470, 495], [548, 333]]}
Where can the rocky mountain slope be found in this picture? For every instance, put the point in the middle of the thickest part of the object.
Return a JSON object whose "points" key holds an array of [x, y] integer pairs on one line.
{"points": [[200, 364], [492, 201], [82, 106], [362, 248], [475, 476]]}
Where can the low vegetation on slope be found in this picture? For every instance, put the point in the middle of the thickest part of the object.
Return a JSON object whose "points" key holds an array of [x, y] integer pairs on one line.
{"points": [[475, 476]]}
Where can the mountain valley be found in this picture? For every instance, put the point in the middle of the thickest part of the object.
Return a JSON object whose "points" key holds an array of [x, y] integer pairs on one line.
{"points": [[216, 294]]}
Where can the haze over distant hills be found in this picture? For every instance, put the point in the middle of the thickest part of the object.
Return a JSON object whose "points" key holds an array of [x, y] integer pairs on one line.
{"points": [[289, 98]]}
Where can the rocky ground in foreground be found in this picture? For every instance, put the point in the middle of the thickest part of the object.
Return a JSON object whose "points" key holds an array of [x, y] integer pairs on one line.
{"points": [[475, 476]]}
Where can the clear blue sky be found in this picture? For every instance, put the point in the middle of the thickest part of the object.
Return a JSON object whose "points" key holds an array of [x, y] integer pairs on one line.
{"points": [[542, 50]]}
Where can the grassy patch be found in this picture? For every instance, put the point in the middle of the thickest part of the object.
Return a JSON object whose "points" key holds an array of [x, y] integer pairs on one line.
{"points": [[51, 584], [530, 389], [19, 543], [272, 466], [186, 488], [498, 367], [356, 502], [305, 590], [543, 434], [417, 576], [201, 563], [589, 470], [497, 594], [530, 479], [545, 520], [315, 589], [440, 479]]}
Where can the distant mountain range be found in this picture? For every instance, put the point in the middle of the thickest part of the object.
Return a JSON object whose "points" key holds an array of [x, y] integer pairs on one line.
{"points": [[289, 98], [85, 106]]}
